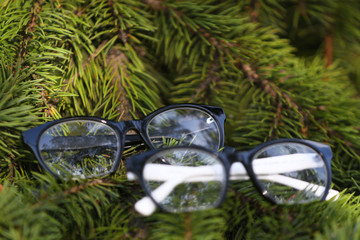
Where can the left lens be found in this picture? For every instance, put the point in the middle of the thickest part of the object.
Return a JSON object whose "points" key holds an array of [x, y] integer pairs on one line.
{"points": [[184, 127], [182, 180], [290, 172], [79, 148]]}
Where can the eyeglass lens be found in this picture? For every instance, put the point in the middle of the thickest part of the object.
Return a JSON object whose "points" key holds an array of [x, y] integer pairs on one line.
{"points": [[79, 148], [290, 172], [184, 127], [184, 180]]}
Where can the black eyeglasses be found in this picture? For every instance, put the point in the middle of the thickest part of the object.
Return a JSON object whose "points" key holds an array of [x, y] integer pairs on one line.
{"points": [[182, 179], [85, 147]]}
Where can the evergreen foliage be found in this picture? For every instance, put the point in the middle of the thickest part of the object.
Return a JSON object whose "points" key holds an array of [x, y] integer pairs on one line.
{"points": [[279, 69]]}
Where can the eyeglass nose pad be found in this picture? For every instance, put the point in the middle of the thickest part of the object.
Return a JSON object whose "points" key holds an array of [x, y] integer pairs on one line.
{"points": [[126, 126], [228, 150], [242, 157]]}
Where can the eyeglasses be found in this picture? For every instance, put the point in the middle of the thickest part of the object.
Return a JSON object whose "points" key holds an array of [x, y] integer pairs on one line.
{"points": [[183, 179], [85, 147]]}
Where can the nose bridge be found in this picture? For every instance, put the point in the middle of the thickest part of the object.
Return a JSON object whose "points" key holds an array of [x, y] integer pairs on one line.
{"points": [[241, 157], [133, 125]]}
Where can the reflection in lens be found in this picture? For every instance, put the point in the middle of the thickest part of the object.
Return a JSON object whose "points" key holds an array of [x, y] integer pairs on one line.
{"points": [[184, 127], [290, 172], [183, 180], [79, 149]]}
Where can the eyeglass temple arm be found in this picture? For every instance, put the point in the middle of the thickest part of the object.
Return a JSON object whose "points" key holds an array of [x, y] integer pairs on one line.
{"points": [[236, 173], [146, 206], [301, 185], [132, 139], [180, 174]]}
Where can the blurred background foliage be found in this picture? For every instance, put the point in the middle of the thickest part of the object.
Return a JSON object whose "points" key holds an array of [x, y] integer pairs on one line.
{"points": [[279, 68]]}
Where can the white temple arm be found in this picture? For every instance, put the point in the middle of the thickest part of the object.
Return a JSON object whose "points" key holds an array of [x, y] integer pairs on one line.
{"points": [[146, 206], [270, 165], [286, 163], [301, 185]]}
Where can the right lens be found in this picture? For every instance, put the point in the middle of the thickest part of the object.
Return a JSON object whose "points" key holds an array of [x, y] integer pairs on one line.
{"points": [[184, 127], [182, 180], [290, 172], [79, 148]]}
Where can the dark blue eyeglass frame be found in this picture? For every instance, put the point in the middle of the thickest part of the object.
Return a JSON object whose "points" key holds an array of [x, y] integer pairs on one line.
{"points": [[32, 136], [136, 164]]}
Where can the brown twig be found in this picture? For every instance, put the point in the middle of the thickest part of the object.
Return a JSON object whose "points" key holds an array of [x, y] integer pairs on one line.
{"points": [[123, 35], [29, 29], [155, 4], [302, 7], [74, 189], [254, 5], [328, 49], [83, 186], [268, 86], [5, 3], [116, 58], [13, 165], [89, 59], [277, 118], [205, 85], [187, 223]]}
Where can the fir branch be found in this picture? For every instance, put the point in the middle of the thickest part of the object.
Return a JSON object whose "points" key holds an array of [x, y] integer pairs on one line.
{"points": [[225, 47], [121, 21], [115, 52], [99, 208], [188, 225], [16, 114], [20, 221]]}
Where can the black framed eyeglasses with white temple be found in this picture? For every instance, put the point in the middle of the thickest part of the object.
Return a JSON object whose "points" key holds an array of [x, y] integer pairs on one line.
{"points": [[183, 179]]}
